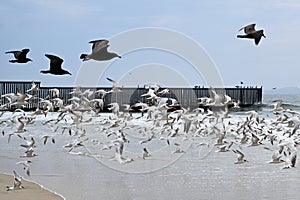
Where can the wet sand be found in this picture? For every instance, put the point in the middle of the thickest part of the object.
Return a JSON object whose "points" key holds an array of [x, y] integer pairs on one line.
{"points": [[30, 191]]}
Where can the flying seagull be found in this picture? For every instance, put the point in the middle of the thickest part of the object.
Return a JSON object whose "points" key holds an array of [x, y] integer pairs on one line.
{"points": [[26, 166], [240, 158], [55, 66], [20, 56], [99, 51], [251, 33], [17, 183]]}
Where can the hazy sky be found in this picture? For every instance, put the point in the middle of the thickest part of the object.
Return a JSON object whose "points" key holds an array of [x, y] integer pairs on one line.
{"points": [[65, 27]]}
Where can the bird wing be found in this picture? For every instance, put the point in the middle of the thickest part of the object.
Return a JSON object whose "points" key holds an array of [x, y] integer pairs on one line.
{"points": [[99, 45], [25, 51], [111, 80], [16, 53], [23, 54], [257, 35], [249, 28], [55, 62], [17, 178], [256, 40], [293, 160], [240, 154]]}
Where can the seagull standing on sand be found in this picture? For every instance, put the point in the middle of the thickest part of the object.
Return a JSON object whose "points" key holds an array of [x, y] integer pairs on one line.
{"points": [[55, 66], [20, 56], [99, 51], [251, 33]]}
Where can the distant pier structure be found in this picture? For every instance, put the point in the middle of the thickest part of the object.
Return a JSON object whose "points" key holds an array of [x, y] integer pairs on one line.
{"points": [[187, 97]]}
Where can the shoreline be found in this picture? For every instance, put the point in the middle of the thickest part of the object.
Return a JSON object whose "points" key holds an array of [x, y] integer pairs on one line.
{"points": [[32, 190]]}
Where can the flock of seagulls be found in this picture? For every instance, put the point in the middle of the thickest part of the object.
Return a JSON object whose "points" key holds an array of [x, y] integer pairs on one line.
{"points": [[99, 53], [156, 124], [110, 134]]}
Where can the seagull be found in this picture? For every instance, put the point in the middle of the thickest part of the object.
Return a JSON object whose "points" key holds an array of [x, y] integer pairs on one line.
{"points": [[55, 92], [17, 182], [291, 162], [20, 56], [146, 153], [20, 127], [115, 108], [26, 165], [277, 105], [55, 66], [116, 87], [30, 143], [276, 157], [29, 153], [99, 51], [251, 33], [46, 137], [241, 156], [34, 87], [225, 147]]}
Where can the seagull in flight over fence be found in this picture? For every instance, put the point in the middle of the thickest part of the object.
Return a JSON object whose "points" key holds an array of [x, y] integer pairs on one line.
{"points": [[99, 51], [20, 56], [55, 66]]}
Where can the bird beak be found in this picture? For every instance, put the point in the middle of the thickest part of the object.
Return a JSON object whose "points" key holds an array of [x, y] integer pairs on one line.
{"points": [[264, 36]]}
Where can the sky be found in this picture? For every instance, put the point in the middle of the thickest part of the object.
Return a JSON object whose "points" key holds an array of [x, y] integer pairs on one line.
{"points": [[65, 27]]}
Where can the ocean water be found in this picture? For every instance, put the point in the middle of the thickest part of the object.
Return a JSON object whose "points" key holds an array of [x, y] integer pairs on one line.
{"points": [[197, 173]]}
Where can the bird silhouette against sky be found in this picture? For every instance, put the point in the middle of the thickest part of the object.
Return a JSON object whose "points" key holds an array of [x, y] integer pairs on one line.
{"points": [[20, 56], [251, 33], [55, 66]]}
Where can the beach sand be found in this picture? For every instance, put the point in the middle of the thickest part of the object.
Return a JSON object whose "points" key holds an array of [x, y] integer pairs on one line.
{"points": [[30, 191]]}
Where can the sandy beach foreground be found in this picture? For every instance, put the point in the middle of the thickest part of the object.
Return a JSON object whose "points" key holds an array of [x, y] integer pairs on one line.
{"points": [[30, 191]]}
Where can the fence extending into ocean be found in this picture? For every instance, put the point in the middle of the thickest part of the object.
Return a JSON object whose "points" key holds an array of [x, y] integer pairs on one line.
{"points": [[187, 97]]}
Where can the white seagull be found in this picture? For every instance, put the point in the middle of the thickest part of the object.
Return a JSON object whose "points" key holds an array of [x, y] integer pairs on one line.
{"points": [[17, 182], [26, 165], [240, 158]]}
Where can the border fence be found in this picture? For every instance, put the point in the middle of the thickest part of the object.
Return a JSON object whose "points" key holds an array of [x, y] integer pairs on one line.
{"points": [[188, 97]]}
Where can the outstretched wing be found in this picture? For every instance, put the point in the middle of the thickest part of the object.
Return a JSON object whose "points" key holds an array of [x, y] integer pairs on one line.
{"points": [[99, 45], [16, 53], [55, 62], [248, 29], [23, 53], [257, 36]]}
